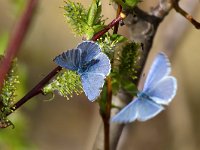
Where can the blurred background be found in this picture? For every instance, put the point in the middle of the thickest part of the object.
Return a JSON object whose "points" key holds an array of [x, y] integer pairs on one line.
{"points": [[73, 124]]}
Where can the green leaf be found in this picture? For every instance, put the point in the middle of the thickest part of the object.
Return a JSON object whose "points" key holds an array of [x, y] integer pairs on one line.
{"points": [[127, 4], [132, 3], [124, 67], [98, 28], [3, 42], [94, 12], [118, 38]]}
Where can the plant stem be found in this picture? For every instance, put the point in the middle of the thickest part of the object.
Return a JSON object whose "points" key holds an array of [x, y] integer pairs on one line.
{"points": [[185, 14], [109, 26], [36, 90], [106, 115], [119, 10], [16, 39], [108, 111]]}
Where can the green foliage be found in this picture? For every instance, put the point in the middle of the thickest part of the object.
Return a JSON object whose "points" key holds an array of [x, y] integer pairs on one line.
{"points": [[18, 6], [16, 139], [3, 42], [124, 68], [8, 95], [103, 100], [94, 13], [84, 22], [66, 83], [76, 16], [127, 4], [108, 43]]}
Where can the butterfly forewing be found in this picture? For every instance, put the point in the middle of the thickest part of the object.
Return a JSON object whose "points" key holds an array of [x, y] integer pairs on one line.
{"points": [[128, 113], [69, 59], [102, 66], [89, 51], [159, 69]]}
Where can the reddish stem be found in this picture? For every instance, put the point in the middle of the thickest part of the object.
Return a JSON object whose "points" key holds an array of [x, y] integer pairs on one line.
{"points": [[119, 10], [106, 116], [109, 26], [16, 39], [37, 89]]}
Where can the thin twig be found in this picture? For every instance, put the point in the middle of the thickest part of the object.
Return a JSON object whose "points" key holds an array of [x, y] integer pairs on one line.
{"points": [[119, 10], [185, 14], [16, 39]]}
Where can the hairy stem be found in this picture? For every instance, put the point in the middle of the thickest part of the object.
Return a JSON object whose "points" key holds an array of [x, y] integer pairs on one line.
{"points": [[16, 39]]}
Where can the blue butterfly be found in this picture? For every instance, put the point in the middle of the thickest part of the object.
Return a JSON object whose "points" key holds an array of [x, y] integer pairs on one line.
{"points": [[90, 63], [159, 89]]}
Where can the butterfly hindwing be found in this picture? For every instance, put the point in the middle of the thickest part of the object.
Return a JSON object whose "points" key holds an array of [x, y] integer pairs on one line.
{"points": [[92, 84], [147, 109], [164, 91], [127, 114], [102, 66], [138, 109]]}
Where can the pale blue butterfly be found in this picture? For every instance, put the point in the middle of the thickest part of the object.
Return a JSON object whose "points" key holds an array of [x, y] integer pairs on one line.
{"points": [[159, 89], [90, 63]]}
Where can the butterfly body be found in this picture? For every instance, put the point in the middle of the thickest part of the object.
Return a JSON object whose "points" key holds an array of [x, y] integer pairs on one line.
{"points": [[90, 63], [159, 89], [84, 68]]}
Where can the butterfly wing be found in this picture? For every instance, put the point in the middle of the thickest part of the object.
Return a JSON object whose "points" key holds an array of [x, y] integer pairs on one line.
{"points": [[128, 114], [164, 91], [159, 69], [92, 84], [89, 50], [98, 67], [93, 78], [140, 110], [69, 59], [102, 66], [148, 109]]}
